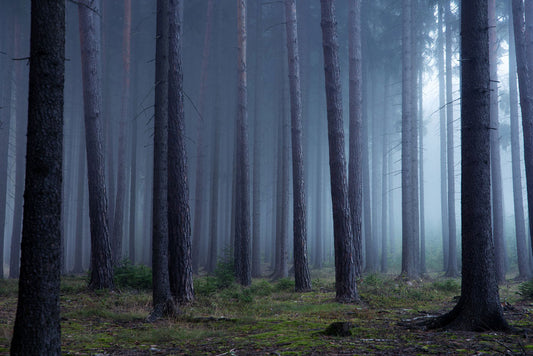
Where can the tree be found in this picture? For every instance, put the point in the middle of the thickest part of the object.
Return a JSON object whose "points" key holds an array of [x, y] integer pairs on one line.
{"points": [[524, 56], [345, 286], [242, 222], [520, 227], [179, 221], [355, 184], [37, 328], [495, 165], [101, 265], [118, 220], [162, 298], [452, 270], [479, 306], [301, 268], [409, 265]]}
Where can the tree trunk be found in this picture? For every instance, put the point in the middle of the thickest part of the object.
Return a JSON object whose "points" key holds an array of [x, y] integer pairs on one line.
{"points": [[244, 274], [423, 268], [179, 245], [452, 270], [101, 263], [199, 195], [256, 180], [409, 268], [213, 223], [479, 306], [442, 131], [384, 174], [162, 298], [495, 165], [301, 268], [118, 220], [355, 184], [524, 271], [346, 289], [82, 174], [37, 328]]}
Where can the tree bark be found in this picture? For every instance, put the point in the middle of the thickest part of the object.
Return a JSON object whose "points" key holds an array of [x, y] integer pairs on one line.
{"points": [[301, 267], [179, 221], [101, 263], [524, 271], [452, 270], [346, 289], [244, 274], [82, 174], [479, 306], [37, 328]]}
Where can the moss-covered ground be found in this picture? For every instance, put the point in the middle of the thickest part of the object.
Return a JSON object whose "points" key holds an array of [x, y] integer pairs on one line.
{"points": [[268, 318]]}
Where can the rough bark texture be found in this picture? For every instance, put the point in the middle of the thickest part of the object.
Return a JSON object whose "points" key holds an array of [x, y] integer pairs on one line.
{"points": [[495, 165], [355, 184], [162, 299], [524, 271], [101, 266], [201, 164], [244, 274], [346, 289], [179, 221], [409, 268], [452, 270], [301, 268], [118, 220], [479, 306], [442, 132], [37, 325]]}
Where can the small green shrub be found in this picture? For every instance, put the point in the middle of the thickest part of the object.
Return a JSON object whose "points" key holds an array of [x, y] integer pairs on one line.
{"points": [[284, 285], [262, 288], [224, 273], [132, 276], [205, 286], [526, 289], [373, 280]]}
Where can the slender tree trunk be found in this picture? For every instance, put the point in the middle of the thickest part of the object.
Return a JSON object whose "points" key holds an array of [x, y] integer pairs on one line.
{"points": [[346, 289], [213, 223], [101, 263], [384, 174], [375, 174], [82, 174], [423, 268], [179, 231], [524, 271], [243, 164], [256, 189], [409, 268], [479, 306], [133, 192], [199, 195], [319, 217], [355, 184], [367, 216], [452, 270], [442, 131], [162, 298], [37, 328], [118, 220], [496, 173], [301, 268]]}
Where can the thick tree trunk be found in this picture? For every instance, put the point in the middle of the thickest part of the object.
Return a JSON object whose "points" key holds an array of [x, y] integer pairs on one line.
{"points": [[301, 268], [495, 165], [442, 134], [355, 184], [201, 164], [346, 289], [244, 274], [118, 220], [452, 270], [37, 325], [479, 306], [162, 298], [409, 268], [524, 271], [179, 222], [101, 263]]}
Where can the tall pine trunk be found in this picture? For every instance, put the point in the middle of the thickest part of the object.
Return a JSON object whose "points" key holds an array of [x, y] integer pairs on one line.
{"points": [[345, 286]]}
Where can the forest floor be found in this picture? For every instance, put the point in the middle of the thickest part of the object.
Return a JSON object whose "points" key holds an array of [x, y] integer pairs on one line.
{"points": [[268, 318]]}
